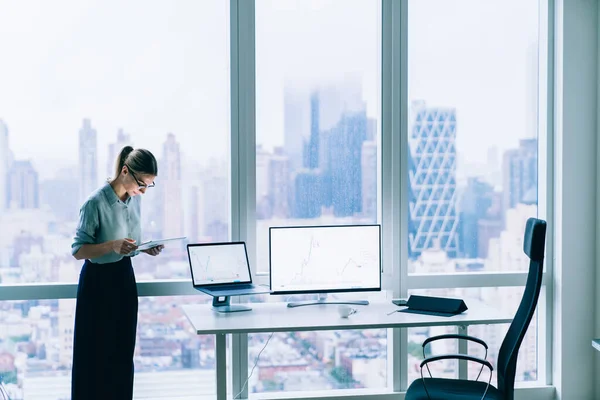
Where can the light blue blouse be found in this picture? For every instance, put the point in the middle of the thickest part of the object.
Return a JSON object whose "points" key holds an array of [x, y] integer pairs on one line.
{"points": [[105, 217]]}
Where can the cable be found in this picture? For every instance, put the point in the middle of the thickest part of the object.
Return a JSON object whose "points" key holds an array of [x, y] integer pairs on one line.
{"points": [[254, 366]]}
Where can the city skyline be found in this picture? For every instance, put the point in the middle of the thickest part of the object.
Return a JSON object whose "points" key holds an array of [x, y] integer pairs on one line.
{"points": [[197, 118]]}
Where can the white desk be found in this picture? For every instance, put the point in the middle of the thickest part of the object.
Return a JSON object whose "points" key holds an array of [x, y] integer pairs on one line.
{"points": [[277, 317]]}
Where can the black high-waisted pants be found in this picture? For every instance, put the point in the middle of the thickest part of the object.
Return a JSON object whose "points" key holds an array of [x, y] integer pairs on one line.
{"points": [[105, 332]]}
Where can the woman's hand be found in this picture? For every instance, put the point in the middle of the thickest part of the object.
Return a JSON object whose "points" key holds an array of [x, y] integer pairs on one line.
{"points": [[124, 246], [154, 251]]}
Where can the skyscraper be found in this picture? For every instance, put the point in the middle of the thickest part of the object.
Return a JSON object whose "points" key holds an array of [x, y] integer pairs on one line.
{"points": [[296, 125], [369, 179], [343, 170], [307, 193], [263, 160], [432, 177], [4, 164], [519, 172], [123, 139], [475, 202], [88, 160], [279, 179], [23, 186], [171, 188]]}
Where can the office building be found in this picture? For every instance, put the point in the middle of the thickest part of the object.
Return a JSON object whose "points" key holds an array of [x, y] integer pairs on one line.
{"points": [[279, 184], [520, 174], [23, 186], [307, 193], [296, 124], [369, 180], [263, 201], [171, 188], [114, 149], [88, 160], [432, 173]]}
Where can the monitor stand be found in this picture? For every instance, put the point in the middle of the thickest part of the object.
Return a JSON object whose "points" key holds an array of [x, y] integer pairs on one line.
{"points": [[223, 304], [323, 300]]}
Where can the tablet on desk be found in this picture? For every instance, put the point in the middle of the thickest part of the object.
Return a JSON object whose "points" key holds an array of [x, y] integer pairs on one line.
{"points": [[153, 243]]}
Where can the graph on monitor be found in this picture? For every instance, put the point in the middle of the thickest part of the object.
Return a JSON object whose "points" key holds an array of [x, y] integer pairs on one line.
{"points": [[214, 264], [325, 258]]}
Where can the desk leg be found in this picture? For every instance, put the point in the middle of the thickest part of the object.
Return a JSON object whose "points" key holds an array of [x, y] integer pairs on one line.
{"points": [[221, 365], [463, 348]]}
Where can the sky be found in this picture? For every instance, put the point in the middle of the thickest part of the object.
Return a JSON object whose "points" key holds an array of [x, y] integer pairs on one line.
{"points": [[152, 67]]}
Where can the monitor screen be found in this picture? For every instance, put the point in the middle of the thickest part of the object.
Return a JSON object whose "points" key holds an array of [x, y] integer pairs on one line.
{"points": [[320, 259], [218, 263]]}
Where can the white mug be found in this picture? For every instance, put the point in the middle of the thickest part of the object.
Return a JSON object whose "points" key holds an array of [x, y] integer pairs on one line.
{"points": [[345, 311]]}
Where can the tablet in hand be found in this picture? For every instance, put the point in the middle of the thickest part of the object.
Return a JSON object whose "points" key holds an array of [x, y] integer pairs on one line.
{"points": [[153, 243]]}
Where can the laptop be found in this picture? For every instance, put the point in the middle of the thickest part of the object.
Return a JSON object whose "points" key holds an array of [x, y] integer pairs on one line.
{"points": [[222, 269]]}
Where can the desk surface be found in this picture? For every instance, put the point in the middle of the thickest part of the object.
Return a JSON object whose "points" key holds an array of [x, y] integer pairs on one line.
{"points": [[277, 317]]}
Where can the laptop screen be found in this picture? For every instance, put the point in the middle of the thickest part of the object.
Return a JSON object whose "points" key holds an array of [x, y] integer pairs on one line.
{"points": [[218, 263]]}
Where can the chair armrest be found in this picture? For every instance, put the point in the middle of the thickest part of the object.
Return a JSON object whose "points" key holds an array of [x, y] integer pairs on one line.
{"points": [[457, 357], [455, 336]]}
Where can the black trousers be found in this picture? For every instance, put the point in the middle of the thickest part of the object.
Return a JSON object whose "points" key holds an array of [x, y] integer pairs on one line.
{"points": [[105, 332]]}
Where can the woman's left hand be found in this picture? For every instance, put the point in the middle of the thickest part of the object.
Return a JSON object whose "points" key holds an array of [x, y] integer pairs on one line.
{"points": [[154, 251]]}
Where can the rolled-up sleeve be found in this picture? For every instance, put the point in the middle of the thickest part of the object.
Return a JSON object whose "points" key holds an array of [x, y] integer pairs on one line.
{"points": [[87, 227]]}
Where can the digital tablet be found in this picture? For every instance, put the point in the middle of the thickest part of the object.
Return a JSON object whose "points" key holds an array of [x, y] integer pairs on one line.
{"points": [[153, 243]]}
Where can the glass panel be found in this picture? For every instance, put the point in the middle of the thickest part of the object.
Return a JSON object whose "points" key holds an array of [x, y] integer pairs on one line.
{"points": [[171, 361], [323, 360], [149, 74], [473, 133], [318, 108], [506, 299]]}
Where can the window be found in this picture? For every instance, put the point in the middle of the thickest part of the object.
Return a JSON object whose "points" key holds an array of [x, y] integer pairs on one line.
{"points": [[473, 159], [318, 113], [473, 136], [80, 81], [37, 350]]}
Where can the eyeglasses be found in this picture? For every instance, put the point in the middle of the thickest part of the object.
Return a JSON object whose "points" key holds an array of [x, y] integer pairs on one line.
{"points": [[140, 184]]}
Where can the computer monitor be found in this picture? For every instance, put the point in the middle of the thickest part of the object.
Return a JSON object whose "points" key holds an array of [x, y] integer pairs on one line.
{"points": [[325, 259]]}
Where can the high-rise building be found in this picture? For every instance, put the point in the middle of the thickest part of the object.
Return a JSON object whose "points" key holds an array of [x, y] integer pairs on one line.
{"points": [[520, 172], [263, 161], [23, 186], [307, 193], [4, 164], [475, 201], [369, 179], [342, 170], [312, 153], [196, 214], [114, 149], [172, 202], [279, 181], [432, 177], [88, 160], [296, 125]]}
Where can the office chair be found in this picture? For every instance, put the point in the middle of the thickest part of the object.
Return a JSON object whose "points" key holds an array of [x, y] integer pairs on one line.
{"points": [[455, 389]]}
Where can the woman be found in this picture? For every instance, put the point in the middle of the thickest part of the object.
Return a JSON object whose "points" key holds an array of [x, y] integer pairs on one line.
{"points": [[107, 303]]}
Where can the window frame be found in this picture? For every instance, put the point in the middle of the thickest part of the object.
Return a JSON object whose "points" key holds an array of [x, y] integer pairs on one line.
{"points": [[393, 191]]}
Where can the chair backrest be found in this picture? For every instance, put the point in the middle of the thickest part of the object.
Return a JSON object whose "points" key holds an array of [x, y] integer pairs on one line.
{"points": [[533, 246]]}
